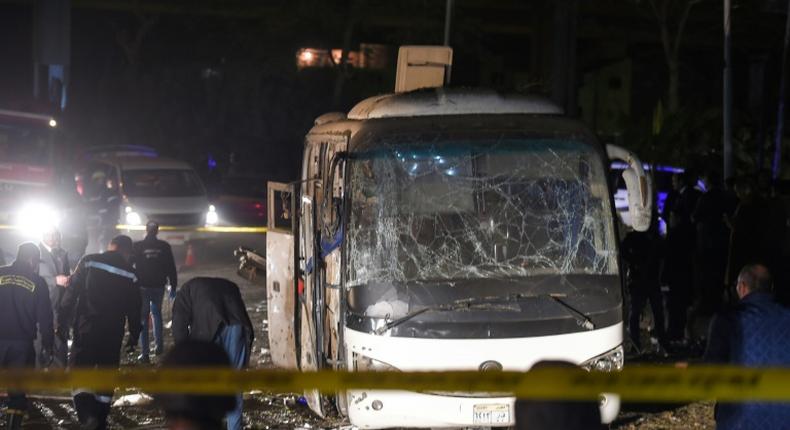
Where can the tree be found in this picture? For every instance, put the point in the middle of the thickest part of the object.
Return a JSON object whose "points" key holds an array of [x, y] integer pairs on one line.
{"points": [[671, 16]]}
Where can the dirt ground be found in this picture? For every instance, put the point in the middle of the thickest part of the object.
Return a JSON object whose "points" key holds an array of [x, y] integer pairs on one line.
{"points": [[284, 411]]}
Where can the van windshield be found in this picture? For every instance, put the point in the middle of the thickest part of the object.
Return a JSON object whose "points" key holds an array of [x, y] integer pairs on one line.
{"points": [[162, 183], [478, 209]]}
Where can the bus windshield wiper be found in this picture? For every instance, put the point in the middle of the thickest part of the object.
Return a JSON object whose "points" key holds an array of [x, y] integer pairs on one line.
{"points": [[489, 303], [473, 303], [583, 320]]}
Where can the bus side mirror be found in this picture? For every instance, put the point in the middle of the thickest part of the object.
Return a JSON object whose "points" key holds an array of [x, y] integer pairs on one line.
{"points": [[638, 185], [640, 202]]}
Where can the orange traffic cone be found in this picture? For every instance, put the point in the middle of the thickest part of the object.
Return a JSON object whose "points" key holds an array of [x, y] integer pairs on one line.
{"points": [[189, 261]]}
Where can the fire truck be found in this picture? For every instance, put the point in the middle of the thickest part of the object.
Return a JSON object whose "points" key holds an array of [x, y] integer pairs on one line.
{"points": [[36, 188]]}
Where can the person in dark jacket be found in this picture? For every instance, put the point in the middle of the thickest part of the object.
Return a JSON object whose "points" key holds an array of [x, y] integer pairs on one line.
{"points": [[155, 267], [712, 241], [680, 245], [753, 334], [54, 268], [109, 211], [211, 309], [101, 298], [24, 310], [643, 252]]}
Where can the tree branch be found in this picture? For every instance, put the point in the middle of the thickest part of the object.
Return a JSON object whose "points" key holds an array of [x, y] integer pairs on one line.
{"points": [[663, 27], [682, 24]]}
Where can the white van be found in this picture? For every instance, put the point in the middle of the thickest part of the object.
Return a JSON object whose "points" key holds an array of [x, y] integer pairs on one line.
{"points": [[146, 188], [447, 230]]}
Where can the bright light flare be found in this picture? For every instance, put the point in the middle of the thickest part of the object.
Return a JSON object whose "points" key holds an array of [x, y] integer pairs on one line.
{"points": [[35, 218], [212, 218], [132, 217]]}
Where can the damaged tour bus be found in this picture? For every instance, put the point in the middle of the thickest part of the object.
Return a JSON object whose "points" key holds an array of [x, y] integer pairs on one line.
{"points": [[444, 229]]}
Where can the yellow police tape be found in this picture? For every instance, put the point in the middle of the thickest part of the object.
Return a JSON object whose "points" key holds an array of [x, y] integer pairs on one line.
{"points": [[207, 229], [635, 383]]}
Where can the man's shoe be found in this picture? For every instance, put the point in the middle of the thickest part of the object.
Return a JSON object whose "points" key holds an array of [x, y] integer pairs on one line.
{"points": [[143, 359], [159, 351]]}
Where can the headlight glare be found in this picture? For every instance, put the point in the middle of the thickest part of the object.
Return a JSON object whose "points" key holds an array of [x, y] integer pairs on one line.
{"points": [[36, 218], [212, 218], [132, 217], [610, 361]]}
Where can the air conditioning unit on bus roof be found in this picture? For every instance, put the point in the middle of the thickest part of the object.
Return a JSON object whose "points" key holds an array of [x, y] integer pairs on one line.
{"points": [[422, 67]]}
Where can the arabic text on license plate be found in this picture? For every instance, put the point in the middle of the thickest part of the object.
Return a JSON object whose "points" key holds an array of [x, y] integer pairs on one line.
{"points": [[496, 413]]}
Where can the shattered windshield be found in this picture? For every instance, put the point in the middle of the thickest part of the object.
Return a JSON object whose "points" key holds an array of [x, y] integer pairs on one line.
{"points": [[478, 208]]}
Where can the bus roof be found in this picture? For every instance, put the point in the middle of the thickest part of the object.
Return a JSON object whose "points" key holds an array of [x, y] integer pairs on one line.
{"points": [[444, 101]]}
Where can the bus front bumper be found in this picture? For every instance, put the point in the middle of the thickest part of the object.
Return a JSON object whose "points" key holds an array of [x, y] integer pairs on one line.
{"points": [[384, 409]]}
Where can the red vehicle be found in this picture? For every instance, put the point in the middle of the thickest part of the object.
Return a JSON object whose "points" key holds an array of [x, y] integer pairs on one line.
{"points": [[241, 201], [36, 192]]}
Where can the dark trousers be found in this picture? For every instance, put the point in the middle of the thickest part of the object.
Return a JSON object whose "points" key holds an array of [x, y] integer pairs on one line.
{"points": [[60, 352], [234, 342], [680, 268], [678, 306], [709, 277], [640, 295], [94, 349], [14, 354]]}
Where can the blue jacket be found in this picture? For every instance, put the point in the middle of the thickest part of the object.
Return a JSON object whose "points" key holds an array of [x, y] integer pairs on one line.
{"points": [[756, 334]]}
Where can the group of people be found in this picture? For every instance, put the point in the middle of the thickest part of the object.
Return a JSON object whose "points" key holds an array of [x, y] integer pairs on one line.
{"points": [[51, 316], [712, 231], [722, 260]]}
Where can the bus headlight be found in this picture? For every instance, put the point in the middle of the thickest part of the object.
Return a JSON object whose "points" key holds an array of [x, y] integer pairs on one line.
{"points": [[367, 364], [36, 218], [211, 216], [132, 217], [610, 361]]}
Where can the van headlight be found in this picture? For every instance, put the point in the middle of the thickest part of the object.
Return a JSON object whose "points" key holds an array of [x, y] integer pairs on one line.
{"points": [[36, 218], [211, 216], [132, 217], [367, 364], [611, 361]]}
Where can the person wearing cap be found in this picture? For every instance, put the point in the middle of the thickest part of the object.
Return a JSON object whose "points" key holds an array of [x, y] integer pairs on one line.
{"points": [[156, 268], [108, 209], [102, 297], [24, 310]]}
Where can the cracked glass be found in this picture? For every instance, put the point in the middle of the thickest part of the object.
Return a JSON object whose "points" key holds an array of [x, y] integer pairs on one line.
{"points": [[451, 209]]}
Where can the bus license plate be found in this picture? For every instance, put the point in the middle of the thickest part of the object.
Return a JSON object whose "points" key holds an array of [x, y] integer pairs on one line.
{"points": [[496, 413]]}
